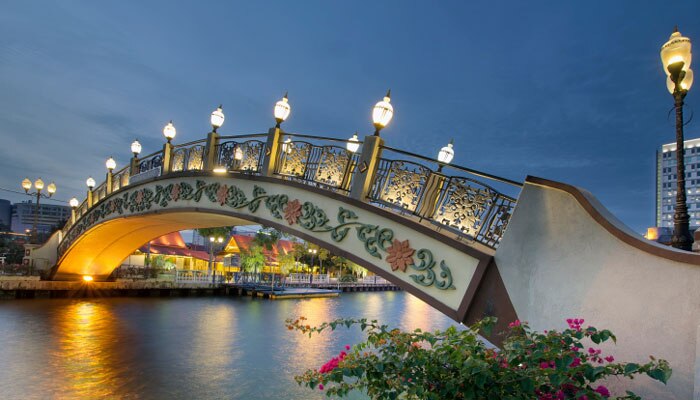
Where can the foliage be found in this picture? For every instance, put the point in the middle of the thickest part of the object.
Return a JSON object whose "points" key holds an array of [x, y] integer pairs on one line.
{"points": [[252, 259], [286, 262], [456, 364], [221, 231], [267, 238], [348, 278]]}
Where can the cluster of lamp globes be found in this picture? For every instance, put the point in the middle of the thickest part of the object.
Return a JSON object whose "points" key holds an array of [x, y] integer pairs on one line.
{"points": [[676, 57], [39, 186]]}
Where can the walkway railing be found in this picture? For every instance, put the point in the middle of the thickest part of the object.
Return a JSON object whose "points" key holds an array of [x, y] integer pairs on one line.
{"points": [[469, 203]]}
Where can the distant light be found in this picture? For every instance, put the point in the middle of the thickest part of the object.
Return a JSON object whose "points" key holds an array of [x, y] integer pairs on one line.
{"points": [[169, 131], [217, 118], [282, 110], [26, 184], [382, 113], [212, 238], [220, 170], [136, 147], [111, 164], [51, 188], [87, 278], [39, 184], [90, 182], [238, 154], [220, 240], [353, 143], [74, 202]]}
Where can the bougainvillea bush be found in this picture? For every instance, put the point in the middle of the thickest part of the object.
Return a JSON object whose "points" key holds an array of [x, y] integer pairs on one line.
{"points": [[457, 364]]}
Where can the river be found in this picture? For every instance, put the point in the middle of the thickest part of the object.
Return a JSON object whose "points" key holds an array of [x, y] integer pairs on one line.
{"points": [[182, 348]]}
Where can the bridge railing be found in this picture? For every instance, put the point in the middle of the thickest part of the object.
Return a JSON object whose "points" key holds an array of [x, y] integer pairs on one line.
{"points": [[460, 199], [150, 162], [120, 178], [317, 161], [188, 156], [241, 153]]}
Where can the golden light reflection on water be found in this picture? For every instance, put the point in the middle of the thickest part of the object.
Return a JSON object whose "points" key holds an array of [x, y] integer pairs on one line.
{"points": [[417, 314], [84, 361], [302, 348], [213, 340]]}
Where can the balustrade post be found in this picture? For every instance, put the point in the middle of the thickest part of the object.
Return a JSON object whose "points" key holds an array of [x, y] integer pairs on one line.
{"points": [[272, 151], [72, 215], [167, 158], [108, 182], [210, 150], [89, 198], [366, 167], [134, 166], [431, 195]]}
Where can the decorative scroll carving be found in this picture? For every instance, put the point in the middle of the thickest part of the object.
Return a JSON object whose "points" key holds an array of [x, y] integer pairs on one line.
{"points": [[332, 166], [464, 205], [294, 158], [404, 183]]}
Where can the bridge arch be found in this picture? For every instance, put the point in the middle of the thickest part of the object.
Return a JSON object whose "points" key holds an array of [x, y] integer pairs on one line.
{"points": [[436, 267]]}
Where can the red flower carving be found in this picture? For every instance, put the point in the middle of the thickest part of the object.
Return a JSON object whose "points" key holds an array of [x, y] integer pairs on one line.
{"points": [[292, 212], [175, 192], [112, 206], [222, 194], [139, 197], [400, 255]]}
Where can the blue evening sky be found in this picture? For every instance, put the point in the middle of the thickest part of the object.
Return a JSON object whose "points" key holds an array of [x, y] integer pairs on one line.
{"points": [[570, 91]]}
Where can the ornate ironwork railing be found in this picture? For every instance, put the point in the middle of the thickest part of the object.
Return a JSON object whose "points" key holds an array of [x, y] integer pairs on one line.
{"points": [[188, 156], [327, 165], [99, 192], [151, 161], [451, 200], [120, 178], [240, 153]]}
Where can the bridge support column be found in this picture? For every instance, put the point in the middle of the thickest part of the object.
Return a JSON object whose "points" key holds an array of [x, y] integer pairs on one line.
{"points": [[366, 167], [210, 150], [272, 151], [108, 182], [167, 158]]}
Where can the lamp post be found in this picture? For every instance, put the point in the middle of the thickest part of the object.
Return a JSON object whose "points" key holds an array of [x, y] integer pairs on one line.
{"points": [[676, 58], [213, 240], [38, 186], [382, 113], [135, 150], [445, 155], [282, 110], [217, 118], [74, 203]]}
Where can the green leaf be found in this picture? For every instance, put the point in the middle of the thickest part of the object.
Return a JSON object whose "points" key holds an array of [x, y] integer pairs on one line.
{"points": [[660, 374], [631, 368]]}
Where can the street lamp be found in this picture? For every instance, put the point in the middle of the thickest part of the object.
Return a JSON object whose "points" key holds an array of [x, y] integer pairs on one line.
{"points": [[217, 118], [212, 240], [136, 148], [38, 186], [353, 143], [169, 131], [445, 155], [282, 110], [382, 113], [313, 255], [74, 202], [676, 57], [110, 164], [90, 183]]}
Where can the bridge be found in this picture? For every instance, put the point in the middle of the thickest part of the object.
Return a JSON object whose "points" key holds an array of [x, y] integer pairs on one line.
{"points": [[468, 243]]}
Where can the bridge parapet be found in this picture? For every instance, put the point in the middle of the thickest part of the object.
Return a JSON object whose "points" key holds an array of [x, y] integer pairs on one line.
{"points": [[470, 204]]}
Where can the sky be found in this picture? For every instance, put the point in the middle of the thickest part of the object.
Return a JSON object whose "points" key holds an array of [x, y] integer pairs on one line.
{"points": [[568, 91]]}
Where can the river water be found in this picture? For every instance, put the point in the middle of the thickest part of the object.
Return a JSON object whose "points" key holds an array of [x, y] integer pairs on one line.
{"points": [[182, 348]]}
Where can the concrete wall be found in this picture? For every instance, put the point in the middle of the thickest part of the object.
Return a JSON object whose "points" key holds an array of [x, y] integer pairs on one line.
{"points": [[565, 256], [45, 256]]}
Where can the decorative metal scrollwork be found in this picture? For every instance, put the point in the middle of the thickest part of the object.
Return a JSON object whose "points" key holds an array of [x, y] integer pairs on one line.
{"points": [[332, 166], [294, 158], [195, 159], [403, 184], [496, 225], [464, 205], [153, 162], [249, 152], [120, 180], [178, 160]]}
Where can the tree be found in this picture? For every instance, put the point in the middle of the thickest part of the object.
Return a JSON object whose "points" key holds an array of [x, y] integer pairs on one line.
{"points": [[286, 262], [323, 255], [299, 251], [267, 238], [221, 231], [252, 259]]}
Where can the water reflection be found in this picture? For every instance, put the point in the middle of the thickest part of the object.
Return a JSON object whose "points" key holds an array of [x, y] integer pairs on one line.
{"points": [[85, 361]]}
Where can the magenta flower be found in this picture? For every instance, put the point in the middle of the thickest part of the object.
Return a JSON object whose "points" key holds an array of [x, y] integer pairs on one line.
{"points": [[609, 358], [514, 324], [603, 391], [320, 386]]}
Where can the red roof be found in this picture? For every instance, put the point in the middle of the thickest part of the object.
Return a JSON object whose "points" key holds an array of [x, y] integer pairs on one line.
{"points": [[172, 244]]}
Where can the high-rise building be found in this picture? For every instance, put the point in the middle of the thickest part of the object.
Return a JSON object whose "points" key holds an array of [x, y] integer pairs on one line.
{"points": [[667, 180], [5, 214], [49, 215]]}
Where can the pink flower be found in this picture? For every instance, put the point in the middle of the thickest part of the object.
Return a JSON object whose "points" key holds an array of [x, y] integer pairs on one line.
{"points": [[514, 323], [583, 397], [609, 358], [320, 386], [603, 391], [347, 347], [175, 192], [576, 362]]}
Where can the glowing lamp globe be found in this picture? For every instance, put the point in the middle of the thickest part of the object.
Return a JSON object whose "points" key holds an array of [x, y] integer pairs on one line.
{"points": [[51, 188], [26, 184], [353, 143], [90, 183], [446, 154], [169, 131], [686, 83], [39, 184], [676, 49], [136, 148], [282, 110], [110, 164], [382, 112], [74, 202], [217, 118]]}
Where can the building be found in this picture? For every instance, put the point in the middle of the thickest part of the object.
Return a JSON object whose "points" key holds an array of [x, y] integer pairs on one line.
{"points": [[666, 182], [50, 215], [5, 215]]}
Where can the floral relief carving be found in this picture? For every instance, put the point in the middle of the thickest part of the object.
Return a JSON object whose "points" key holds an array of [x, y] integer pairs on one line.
{"points": [[292, 212], [400, 255]]}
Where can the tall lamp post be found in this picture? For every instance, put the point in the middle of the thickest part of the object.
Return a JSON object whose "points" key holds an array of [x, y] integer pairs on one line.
{"points": [[38, 186], [676, 57], [212, 240]]}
